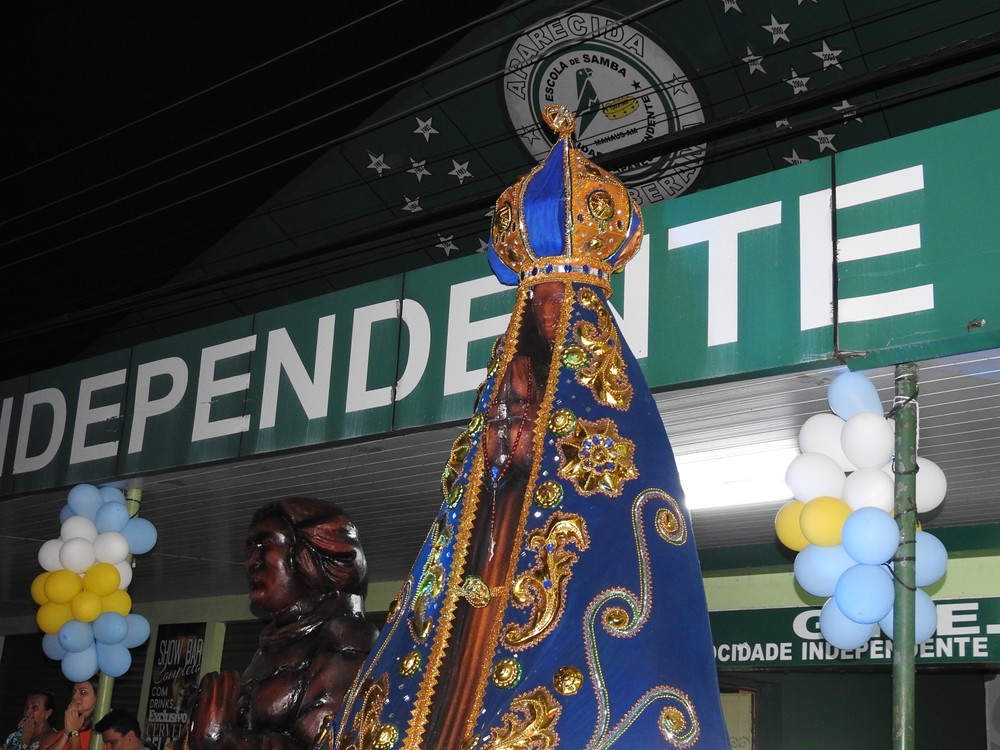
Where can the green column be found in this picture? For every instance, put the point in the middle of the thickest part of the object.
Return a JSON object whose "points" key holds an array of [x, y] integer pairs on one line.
{"points": [[905, 466]]}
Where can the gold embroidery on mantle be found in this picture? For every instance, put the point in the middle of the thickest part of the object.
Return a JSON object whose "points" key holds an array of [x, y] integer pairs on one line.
{"points": [[431, 580], [542, 588], [368, 731], [531, 723], [604, 374]]}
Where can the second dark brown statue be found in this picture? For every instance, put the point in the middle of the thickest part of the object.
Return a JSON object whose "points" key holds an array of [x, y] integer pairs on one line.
{"points": [[307, 570]]}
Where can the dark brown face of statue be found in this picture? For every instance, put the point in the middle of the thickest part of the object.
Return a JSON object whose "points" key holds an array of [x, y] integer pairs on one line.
{"points": [[274, 585]]}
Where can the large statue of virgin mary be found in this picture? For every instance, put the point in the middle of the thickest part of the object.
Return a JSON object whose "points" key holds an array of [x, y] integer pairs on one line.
{"points": [[557, 601]]}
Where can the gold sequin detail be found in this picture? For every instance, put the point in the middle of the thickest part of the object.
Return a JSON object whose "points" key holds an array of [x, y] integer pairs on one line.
{"points": [[410, 664], [575, 357], [595, 458], [456, 494], [476, 425], [476, 591], [393, 610], [670, 524], [548, 495], [601, 206], [506, 673], [673, 720], [604, 374], [567, 680], [502, 221], [456, 460], [615, 618], [431, 580], [531, 723], [562, 422]]}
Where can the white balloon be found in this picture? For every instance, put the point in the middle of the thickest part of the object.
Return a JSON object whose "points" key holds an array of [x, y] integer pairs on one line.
{"points": [[77, 554], [125, 571], [931, 485], [821, 434], [868, 440], [869, 487], [812, 475], [111, 547], [78, 526], [48, 555]]}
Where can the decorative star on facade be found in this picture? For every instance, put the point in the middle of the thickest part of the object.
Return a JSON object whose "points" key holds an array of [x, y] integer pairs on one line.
{"points": [[756, 62], [794, 158], [814, 2], [829, 57], [777, 30], [728, 5], [824, 140], [377, 163], [636, 85], [677, 85], [847, 110], [425, 128], [461, 171], [797, 82], [446, 244], [530, 136], [782, 123], [412, 205], [418, 169], [483, 244]]}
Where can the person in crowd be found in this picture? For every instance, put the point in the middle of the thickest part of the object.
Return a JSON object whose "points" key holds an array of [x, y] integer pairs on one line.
{"points": [[37, 732], [78, 718], [120, 730], [307, 569]]}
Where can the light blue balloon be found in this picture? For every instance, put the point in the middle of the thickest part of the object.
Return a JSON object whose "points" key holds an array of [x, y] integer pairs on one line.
{"points": [[864, 593], [112, 495], [80, 666], [75, 636], [65, 514], [113, 660], [85, 499], [924, 618], [817, 568], [52, 648], [841, 631], [932, 559], [111, 517], [138, 630], [852, 393], [870, 536], [110, 628], [141, 535]]}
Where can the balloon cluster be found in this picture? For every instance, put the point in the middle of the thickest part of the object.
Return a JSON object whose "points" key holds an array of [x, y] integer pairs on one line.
{"points": [[840, 522], [84, 608]]}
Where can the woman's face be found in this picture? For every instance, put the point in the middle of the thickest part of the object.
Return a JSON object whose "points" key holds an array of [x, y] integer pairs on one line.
{"points": [[83, 698], [274, 583], [34, 707]]}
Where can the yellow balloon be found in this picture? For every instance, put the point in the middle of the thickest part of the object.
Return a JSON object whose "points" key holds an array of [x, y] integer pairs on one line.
{"points": [[86, 606], [62, 585], [786, 526], [117, 601], [38, 588], [822, 520], [102, 578], [51, 616]]}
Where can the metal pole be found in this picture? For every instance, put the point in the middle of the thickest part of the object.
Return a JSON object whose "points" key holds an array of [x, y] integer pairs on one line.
{"points": [[904, 561]]}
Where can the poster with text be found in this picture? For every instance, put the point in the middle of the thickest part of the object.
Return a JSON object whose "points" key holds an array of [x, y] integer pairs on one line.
{"points": [[176, 666]]}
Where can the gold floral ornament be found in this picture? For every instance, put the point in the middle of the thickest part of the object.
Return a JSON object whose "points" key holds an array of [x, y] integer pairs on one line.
{"points": [[548, 495], [475, 590], [531, 723], [595, 458], [604, 372], [456, 460], [507, 673], [368, 732], [567, 680], [542, 588], [410, 664]]}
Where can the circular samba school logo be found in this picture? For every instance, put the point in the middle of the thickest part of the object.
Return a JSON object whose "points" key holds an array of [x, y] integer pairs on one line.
{"points": [[624, 88]]}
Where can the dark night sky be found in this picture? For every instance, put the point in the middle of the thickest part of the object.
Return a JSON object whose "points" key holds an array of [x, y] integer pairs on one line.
{"points": [[93, 91]]}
